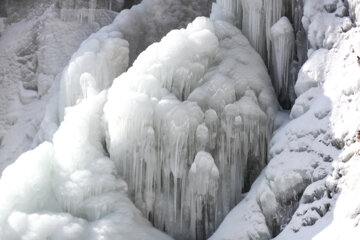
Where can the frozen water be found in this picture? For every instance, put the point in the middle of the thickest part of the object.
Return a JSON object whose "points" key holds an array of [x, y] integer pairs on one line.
{"points": [[69, 189], [181, 97], [256, 20], [307, 191], [283, 45]]}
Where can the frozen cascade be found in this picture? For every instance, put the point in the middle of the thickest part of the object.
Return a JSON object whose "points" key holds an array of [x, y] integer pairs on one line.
{"points": [[283, 42], [179, 98]]}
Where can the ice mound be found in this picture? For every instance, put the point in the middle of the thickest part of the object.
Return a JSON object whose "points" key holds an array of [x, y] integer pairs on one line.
{"points": [[182, 97]]}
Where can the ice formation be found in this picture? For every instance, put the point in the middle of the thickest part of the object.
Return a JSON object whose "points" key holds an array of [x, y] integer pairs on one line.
{"points": [[68, 189], [307, 191], [107, 54], [256, 19], [100, 59], [181, 97], [283, 45]]}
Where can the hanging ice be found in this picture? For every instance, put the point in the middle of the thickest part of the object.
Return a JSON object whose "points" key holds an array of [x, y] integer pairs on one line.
{"points": [[180, 97], [282, 42]]}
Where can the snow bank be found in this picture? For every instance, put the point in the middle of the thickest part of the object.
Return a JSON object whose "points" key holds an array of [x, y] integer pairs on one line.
{"points": [[69, 189], [180, 97]]}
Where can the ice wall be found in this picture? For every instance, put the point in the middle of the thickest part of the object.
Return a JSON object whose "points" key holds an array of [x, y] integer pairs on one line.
{"points": [[180, 98]]}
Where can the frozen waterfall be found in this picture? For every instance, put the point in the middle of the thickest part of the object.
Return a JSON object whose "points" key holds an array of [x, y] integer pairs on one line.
{"points": [[180, 98]]}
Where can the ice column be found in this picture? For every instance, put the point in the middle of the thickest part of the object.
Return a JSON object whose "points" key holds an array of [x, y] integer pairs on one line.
{"points": [[282, 42]]}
